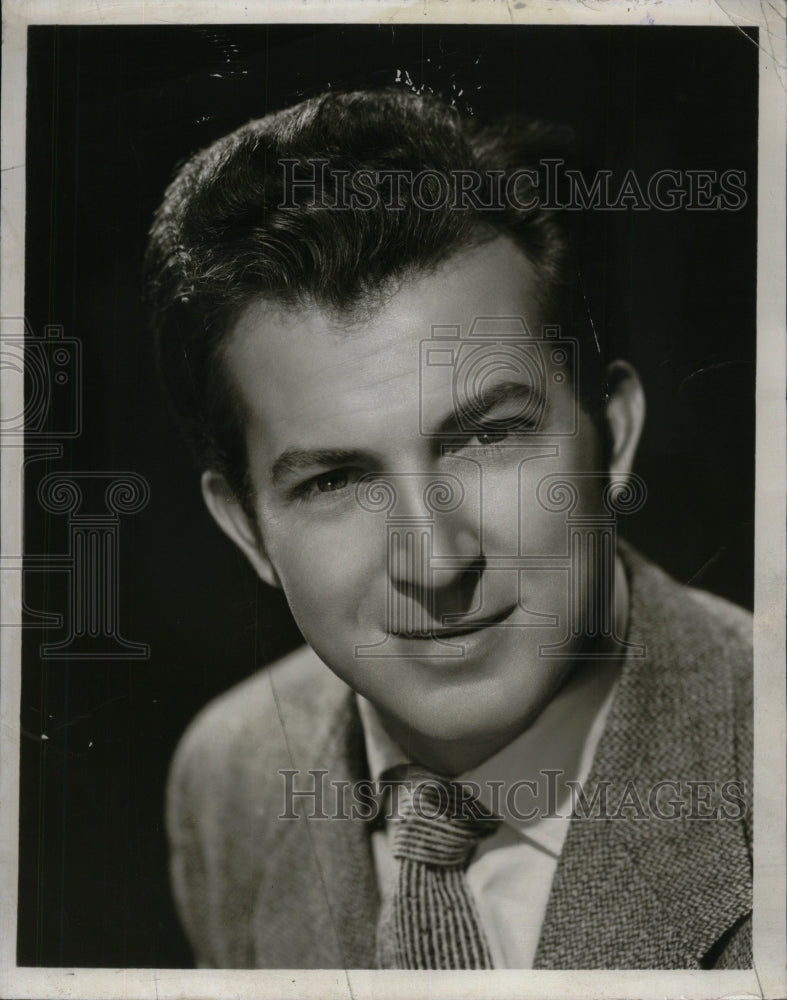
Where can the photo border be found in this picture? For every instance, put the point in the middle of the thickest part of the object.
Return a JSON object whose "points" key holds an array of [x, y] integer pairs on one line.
{"points": [[767, 978]]}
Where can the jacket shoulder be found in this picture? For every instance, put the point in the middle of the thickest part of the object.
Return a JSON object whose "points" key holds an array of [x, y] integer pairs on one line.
{"points": [[704, 630], [225, 791], [727, 622], [722, 655], [698, 680], [696, 669], [239, 735]]}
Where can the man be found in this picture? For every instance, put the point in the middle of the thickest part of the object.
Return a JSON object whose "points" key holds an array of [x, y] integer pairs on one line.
{"points": [[378, 342]]}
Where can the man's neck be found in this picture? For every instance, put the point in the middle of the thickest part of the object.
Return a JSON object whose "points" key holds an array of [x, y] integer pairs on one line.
{"points": [[447, 758]]}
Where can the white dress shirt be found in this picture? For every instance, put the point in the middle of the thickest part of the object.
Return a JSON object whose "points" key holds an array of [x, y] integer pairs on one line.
{"points": [[511, 873]]}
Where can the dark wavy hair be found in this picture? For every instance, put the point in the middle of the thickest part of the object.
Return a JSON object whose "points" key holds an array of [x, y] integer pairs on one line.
{"points": [[228, 232]]}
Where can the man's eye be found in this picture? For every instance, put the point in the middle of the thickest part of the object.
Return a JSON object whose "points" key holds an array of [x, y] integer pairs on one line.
{"points": [[330, 482], [490, 437], [483, 438]]}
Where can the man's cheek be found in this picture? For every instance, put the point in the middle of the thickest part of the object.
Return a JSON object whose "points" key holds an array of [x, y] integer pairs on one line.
{"points": [[316, 574], [541, 533], [545, 592], [320, 608], [311, 572]]}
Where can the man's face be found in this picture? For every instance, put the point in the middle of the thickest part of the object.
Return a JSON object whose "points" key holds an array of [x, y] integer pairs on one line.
{"points": [[328, 403]]}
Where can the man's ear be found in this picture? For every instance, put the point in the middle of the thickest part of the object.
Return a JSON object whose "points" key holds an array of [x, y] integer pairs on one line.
{"points": [[625, 415], [228, 513]]}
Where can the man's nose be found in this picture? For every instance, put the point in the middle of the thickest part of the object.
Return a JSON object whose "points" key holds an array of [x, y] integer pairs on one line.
{"points": [[434, 519]]}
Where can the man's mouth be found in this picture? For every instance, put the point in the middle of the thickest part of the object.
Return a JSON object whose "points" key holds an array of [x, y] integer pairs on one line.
{"points": [[458, 630]]}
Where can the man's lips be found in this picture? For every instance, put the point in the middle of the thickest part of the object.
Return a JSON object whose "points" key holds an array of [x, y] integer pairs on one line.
{"points": [[458, 630]]}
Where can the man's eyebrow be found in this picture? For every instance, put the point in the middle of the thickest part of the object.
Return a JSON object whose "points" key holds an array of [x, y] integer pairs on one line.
{"points": [[294, 460], [469, 411]]}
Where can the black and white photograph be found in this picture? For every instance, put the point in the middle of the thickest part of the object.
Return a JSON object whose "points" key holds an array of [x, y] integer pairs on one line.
{"points": [[393, 500]]}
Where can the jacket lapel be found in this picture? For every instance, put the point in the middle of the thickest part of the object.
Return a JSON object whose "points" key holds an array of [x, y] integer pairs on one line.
{"points": [[634, 890]]}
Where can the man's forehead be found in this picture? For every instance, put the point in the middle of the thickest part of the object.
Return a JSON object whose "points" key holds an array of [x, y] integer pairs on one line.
{"points": [[491, 284]]}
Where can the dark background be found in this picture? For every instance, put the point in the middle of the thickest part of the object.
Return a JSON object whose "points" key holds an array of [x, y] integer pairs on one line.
{"points": [[111, 111]]}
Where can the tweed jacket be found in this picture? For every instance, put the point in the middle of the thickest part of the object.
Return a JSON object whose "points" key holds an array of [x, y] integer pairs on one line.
{"points": [[630, 891]]}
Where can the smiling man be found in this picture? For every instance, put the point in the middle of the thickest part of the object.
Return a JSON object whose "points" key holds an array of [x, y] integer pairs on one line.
{"points": [[378, 342]]}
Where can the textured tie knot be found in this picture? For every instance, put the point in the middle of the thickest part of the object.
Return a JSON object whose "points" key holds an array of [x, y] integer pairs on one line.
{"points": [[430, 920], [439, 822]]}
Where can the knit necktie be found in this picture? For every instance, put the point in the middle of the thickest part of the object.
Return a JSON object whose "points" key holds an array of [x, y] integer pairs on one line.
{"points": [[430, 921]]}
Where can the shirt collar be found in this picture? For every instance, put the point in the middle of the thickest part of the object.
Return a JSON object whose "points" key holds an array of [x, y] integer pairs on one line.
{"points": [[557, 748]]}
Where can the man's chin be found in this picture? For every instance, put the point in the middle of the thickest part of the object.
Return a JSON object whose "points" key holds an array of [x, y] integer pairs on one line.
{"points": [[451, 736]]}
